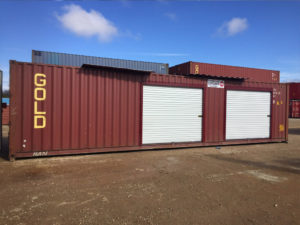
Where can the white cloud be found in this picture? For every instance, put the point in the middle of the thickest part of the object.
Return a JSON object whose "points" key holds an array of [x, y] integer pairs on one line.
{"points": [[84, 23], [289, 77], [171, 16], [233, 27]]}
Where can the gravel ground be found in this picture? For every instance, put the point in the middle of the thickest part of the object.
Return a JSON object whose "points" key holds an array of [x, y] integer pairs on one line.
{"points": [[247, 184]]}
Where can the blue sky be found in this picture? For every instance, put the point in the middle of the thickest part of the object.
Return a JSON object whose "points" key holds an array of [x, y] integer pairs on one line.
{"points": [[259, 34]]}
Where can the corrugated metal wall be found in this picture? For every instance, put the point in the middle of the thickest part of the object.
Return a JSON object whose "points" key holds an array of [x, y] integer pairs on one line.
{"points": [[77, 60], [294, 91], [101, 108], [5, 115], [294, 109], [214, 114], [214, 104], [256, 75], [85, 108]]}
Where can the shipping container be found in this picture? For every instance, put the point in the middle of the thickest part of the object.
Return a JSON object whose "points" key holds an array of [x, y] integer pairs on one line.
{"points": [[294, 91], [294, 109], [65, 59], [59, 110], [1, 76], [5, 115], [207, 69]]}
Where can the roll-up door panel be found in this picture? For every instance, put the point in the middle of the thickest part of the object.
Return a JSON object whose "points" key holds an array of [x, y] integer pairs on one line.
{"points": [[171, 114], [248, 114]]}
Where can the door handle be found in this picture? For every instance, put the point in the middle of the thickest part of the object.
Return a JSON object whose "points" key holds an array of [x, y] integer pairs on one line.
{"points": [[268, 115], [199, 115]]}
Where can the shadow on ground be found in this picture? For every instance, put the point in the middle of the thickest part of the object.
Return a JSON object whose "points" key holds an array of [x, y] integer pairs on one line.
{"points": [[294, 131], [289, 165], [4, 148], [290, 162]]}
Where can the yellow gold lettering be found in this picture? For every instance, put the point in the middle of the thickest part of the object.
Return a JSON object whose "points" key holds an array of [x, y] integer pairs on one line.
{"points": [[43, 94], [36, 109], [39, 118], [42, 82], [36, 123]]}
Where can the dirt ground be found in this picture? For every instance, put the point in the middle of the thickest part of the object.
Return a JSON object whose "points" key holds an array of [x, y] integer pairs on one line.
{"points": [[249, 184]]}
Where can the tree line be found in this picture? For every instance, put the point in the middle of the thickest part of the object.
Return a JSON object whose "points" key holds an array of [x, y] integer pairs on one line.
{"points": [[5, 94]]}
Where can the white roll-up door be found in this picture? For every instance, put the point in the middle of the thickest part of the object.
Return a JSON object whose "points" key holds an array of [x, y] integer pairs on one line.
{"points": [[248, 114], [171, 114]]}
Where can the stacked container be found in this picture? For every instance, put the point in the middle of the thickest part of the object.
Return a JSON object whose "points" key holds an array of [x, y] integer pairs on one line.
{"points": [[208, 69], [78, 60]]}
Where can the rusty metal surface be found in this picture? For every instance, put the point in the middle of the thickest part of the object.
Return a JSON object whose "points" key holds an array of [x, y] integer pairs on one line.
{"points": [[251, 74], [97, 110], [294, 91]]}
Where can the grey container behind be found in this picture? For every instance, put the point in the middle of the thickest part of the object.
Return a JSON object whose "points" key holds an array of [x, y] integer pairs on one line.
{"points": [[77, 60]]}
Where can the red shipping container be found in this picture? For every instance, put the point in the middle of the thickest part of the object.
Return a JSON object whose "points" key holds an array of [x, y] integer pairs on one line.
{"points": [[208, 69], [5, 115], [294, 91], [59, 110], [295, 109]]}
